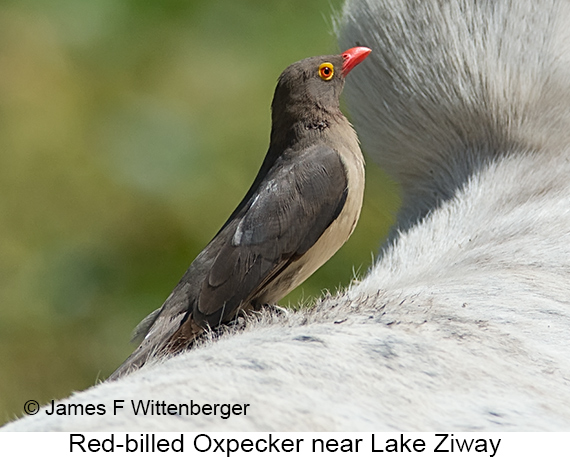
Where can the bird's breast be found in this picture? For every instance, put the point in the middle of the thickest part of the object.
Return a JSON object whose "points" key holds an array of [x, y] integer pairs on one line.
{"points": [[336, 234]]}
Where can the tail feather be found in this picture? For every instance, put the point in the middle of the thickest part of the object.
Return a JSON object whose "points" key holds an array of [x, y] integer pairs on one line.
{"points": [[154, 343], [144, 326], [450, 86]]}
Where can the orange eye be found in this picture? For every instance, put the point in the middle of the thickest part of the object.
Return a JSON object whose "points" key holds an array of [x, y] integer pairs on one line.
{"points": [[326, 71]]}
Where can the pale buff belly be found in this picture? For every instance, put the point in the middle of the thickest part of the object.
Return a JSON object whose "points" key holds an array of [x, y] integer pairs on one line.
{"points": [[332, 238]]}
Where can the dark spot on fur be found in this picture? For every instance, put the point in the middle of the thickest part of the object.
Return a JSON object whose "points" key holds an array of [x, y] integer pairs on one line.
{"points": [[308, 339]]}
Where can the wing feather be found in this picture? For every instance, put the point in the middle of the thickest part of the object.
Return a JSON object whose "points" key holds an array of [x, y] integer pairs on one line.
{"points": [[295, 203]]}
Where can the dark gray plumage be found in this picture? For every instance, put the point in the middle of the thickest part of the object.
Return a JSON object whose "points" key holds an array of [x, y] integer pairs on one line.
{"points": [[301, 208]]}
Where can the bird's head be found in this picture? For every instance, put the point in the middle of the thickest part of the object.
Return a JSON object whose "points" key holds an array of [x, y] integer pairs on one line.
{"points": [[314, 84]]}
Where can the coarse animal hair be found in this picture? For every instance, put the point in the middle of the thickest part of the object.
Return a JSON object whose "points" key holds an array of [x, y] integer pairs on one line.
{"points": [[463, 323]]}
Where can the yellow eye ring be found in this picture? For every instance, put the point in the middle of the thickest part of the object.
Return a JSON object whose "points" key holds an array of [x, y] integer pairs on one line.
{"points": [[326, 71]]}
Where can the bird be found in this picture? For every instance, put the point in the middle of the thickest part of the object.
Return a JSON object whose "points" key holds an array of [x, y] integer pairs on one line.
{"points": [[301, 208]]}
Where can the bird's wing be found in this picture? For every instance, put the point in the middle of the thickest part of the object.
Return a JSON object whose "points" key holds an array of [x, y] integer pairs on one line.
{"points": [[294, 204], [291, 208]]}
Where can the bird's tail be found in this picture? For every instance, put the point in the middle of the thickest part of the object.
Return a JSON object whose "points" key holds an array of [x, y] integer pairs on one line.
{"points": [[158, 331]]}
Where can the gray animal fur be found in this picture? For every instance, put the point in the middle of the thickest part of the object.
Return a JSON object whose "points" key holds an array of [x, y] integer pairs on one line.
{"points": [[464, 321]]}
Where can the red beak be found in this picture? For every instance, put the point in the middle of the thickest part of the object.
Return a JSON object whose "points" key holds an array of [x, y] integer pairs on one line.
{"points": [[352, 57]]}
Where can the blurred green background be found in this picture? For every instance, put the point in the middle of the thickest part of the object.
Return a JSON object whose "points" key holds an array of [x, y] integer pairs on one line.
{"points": [[129, 131]]}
